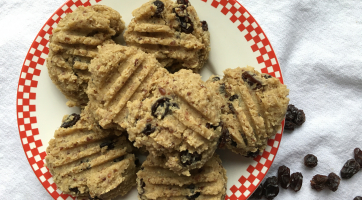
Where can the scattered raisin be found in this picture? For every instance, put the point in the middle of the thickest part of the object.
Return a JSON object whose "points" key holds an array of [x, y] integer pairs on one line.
{"points": [[284, 176], [232, 98], [186, 25], [299, 118], [109, 144], [318, 182], [160, 7], [258, 193], [163, 102], [204, 25], [296, 181], [188, 158], [358, 198], [253, 154], [333, 181], [350, 168], [71, 120], [289, 125], [310, 160], [358, 156], [294, 117], [251, 80], [271, 188], [75, 190], [194, 196], [148, 130]]}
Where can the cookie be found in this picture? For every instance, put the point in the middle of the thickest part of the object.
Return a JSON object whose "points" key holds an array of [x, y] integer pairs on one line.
{"points": [[157, 183], [254, 107], [172, 31], [119, 74], [73, 45], [177, 121], [89, 162]]}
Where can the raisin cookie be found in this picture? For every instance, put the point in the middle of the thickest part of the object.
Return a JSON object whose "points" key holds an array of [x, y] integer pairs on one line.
{"points": [[157, 183], [89, 162], [254, 107], [119, 74], [172, 31], [178, 121], [73, 45]]}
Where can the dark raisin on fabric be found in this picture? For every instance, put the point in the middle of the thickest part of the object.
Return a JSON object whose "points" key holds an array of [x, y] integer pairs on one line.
{"points": [[204, 25], [289, 125], [188, 158], [109, 144], [258, 193], [296, 181], [299, 118], [75, 190], [148, 130], [358, 198], [253, 154], [294, 117], [232, 98], [194, 196], [318, 182], [71, 120], [284, 176], [271, 188], [310, 160], [160, 7], [358, 156], [162, 102], [350, 168], [333, 181]]}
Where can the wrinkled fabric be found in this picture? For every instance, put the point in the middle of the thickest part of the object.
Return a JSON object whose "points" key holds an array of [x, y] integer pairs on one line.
{"points": [[319, 48]]}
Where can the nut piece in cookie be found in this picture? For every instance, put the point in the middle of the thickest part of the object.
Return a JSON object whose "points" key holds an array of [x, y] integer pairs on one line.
{"points": [[179, 121], [73, 45], [156, 182], [254, 105], [87, 161], [172, 31], [119, 74]]}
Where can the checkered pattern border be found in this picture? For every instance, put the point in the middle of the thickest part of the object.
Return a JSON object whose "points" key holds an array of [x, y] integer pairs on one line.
{"points": [[35, 59]]}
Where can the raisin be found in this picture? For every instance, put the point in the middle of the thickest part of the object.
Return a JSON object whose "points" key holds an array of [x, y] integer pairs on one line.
{"points": [[232, 98], [291, 112], [318, 182], [188, 158], [185, 2], [194, 196], [71, 120], [289, 125], [358, 156], [251, 80], [296, 181], [186, 25], [358, 198], [253, 154], [333, 181], [109, 144], [75, 190], [204, 25], [216, 78], [350, 168], [258, 193], [160, 7], [225, 136], [163, 102], [208, 125], [284, 176], [271, 188], [299, 118], [232, 109], [142, 185], [267, 76], [118, 159], [310, 160], [233, 143], [148, 130], [222, 88]]}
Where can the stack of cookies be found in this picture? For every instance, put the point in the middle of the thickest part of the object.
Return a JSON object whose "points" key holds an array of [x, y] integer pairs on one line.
{"points": [[149, 96]]}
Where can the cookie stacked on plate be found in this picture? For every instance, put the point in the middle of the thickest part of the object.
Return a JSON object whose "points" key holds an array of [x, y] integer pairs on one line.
{"points": [[148, 96]]}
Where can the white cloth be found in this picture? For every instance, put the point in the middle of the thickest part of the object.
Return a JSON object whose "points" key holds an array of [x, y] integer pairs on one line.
{"points": [[318, 44]]}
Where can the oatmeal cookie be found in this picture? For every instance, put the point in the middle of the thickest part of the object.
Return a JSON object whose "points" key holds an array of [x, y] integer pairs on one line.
{"points": [[172, 31], [89, 162], [254, 107], [119, 74], [178, 121], [73, 45], [158, 183]]}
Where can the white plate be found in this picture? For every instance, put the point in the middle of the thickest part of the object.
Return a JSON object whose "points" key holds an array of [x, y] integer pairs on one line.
{"points": [[236, 40]]}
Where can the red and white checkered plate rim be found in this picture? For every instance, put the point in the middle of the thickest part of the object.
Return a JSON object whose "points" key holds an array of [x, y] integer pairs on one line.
{"points": [[29, 134]]}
